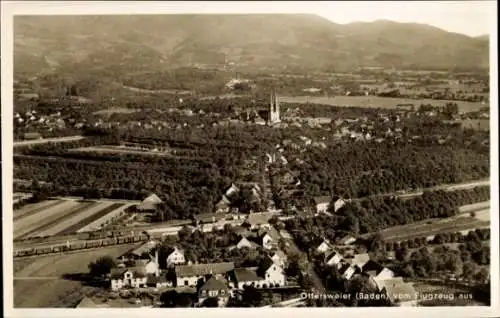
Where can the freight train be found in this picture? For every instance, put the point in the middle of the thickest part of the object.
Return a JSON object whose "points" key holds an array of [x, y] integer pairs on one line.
{"points": [[81, 245]]}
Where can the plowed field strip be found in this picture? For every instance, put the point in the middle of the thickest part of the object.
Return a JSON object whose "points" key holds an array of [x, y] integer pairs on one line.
{"points": [[90, 219], [27, 224], [36, 208], [75, 219], [60, 218]]}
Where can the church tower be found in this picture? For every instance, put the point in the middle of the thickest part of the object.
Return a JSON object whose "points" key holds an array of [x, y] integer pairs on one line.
{"points": [[274, 108]]}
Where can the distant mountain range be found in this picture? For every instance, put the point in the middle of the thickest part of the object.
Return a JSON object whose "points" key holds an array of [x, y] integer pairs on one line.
{"points": [[118, 45]]}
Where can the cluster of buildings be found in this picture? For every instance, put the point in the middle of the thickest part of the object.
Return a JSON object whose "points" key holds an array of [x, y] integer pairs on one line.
{"points": [[381, 278], [140, 268], [31, 120]]}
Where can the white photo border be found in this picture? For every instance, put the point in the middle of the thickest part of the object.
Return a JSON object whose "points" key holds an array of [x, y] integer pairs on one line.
{"points": [[11, 8]]}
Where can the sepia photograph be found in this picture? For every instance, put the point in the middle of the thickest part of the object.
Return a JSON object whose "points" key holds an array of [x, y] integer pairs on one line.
{"points": [[250, 155]]}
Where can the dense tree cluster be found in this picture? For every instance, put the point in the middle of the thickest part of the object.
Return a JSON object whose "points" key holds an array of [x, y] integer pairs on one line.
{"points": [[440, 238], [465, 262], [376, 213], [102, 266], [382, 168]]}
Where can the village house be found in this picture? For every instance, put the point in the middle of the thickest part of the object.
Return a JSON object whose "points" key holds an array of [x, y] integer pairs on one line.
{"points": [[279, 257], [400, 293], [338, 204], [223, 206], [190, 275], [175, 257], [377, 271], [142, 252], [360, 260], [245, 243], [134, 277], [379, 283], [150, 203], [346, 270], [271, 272], [256, 221], [322, 204], [268, 238], [150, 266], [246, 277], [347, 240], [333, 258], [324, 247], [214, 288]]}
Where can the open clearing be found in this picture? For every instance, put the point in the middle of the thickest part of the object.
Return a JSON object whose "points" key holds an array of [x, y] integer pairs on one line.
{"points": [[56, 265], [35, 208], [67, 223], [32, 222], [46, 140], [117, 110], [120, 150], [379, 102], [475, 207], [46, 271], [429, 228], [49, 293]]}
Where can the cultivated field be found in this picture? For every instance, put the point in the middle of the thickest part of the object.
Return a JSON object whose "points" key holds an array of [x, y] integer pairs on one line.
{"points": [[61, 217], [157, 91], [429, 228], [378, 102], [475, 207], [30, 223], [34, 276], [46, 140], [118, 110], [121, 150]]}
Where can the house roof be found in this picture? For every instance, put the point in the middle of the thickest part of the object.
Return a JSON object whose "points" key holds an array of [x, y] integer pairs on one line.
{"points": [[323, 243], [381, 283], [360, 260], [146, 247], [344, 267], [322, 199], [117, 273], [252, 244], [203, 269], [224, 202], [150, 202], [245, 275], [241, 231], [259, 218], [264, 265], [153, 198], [280, 254], [271, 232], [400, 291], [329, 255], [372, 268], [214, 284], [346, 238]]}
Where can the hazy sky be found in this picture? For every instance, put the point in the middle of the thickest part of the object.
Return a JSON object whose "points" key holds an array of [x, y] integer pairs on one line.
{"points": [[468, 17]]}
